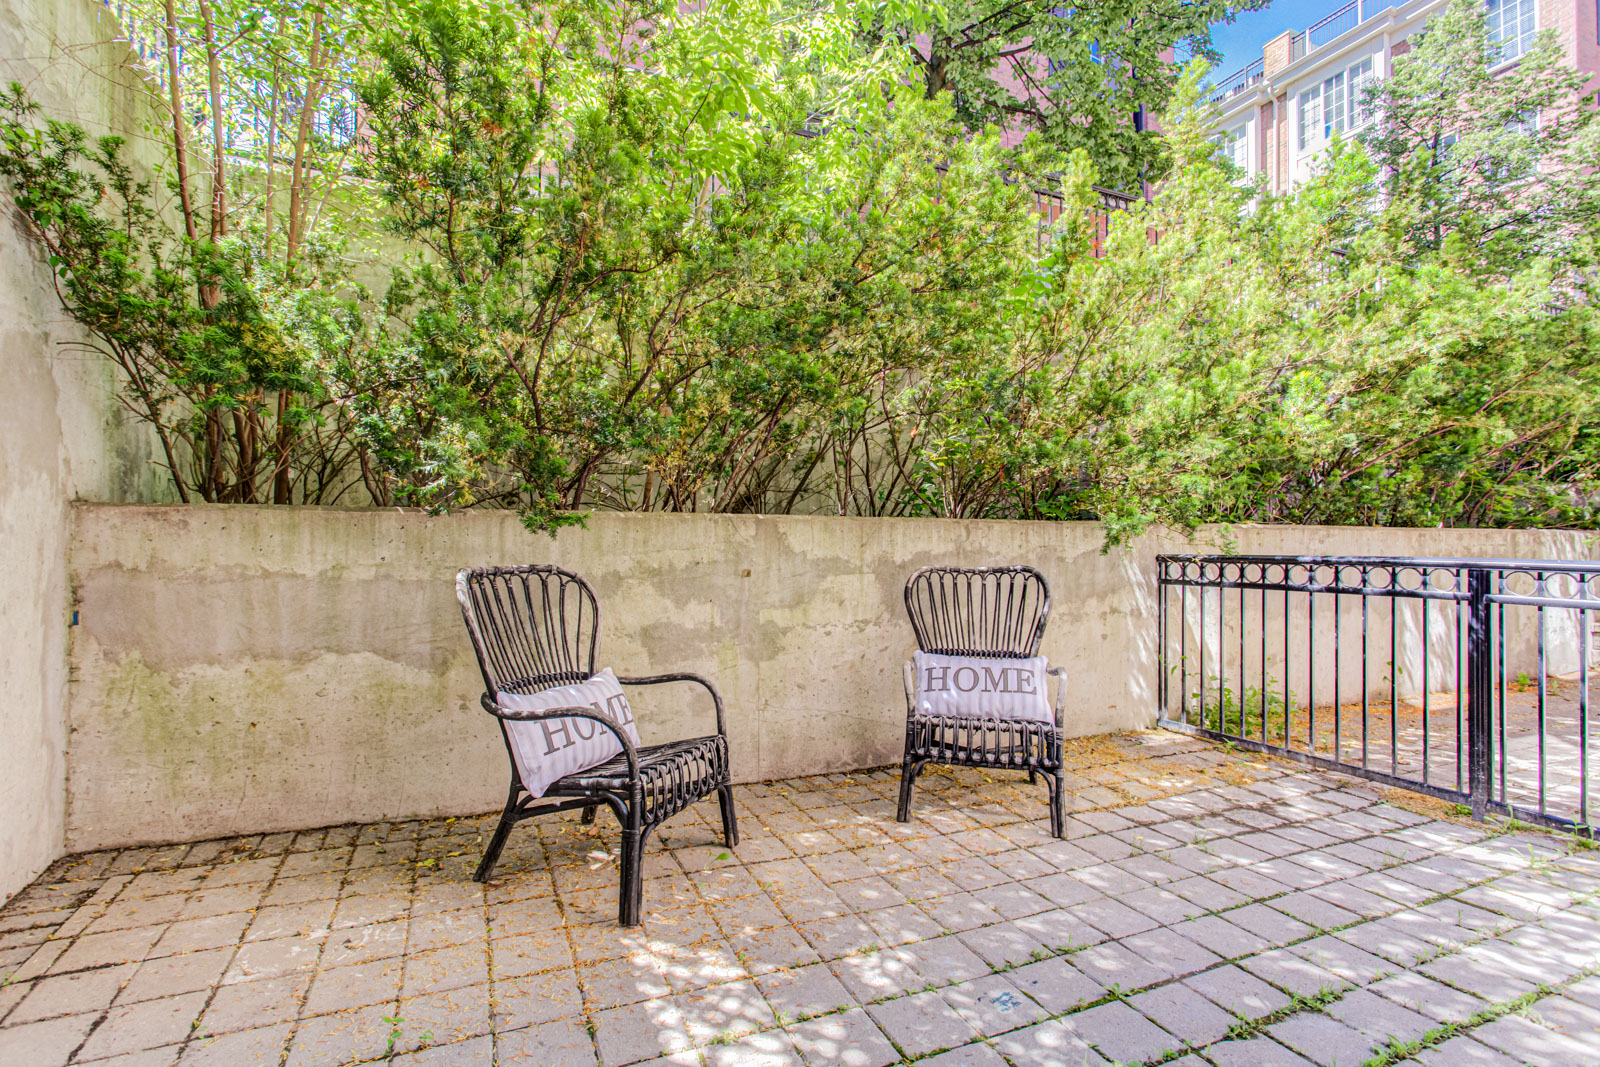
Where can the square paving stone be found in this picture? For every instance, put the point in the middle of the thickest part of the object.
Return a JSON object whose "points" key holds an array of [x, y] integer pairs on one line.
{"points": [[1172, 952], [1379, 1018], [943, 961], [262, 1045], [1529, 1043], [992, 1004], [1121, 1034], [848, 1039], [1427, 997], [441, 1018], [1274, 926], [771, 950], [640, 1031], [1064, 889], [1164, 907], [1389, 941], [1112, 964], [252, 1005], [176, 974], [44, 1044], [732, 1008], [70, 994], [1221, 936], [337, 1039], [1238, 992], [100, 950], [1287, 971], [1315, 912], [1256, 1052], [921, 1023], [1463, 1051], [1473, 976], [1566, 1015], [477, 1052], [803, 992], [774, 1048], [1340, 957], [877, 975], [1060, 930], [976, 1055], [1003, 945], [1048, 1044], [1056, 984], [1185, 1014], [1207, 894], [1323, 1040], [1112, 918], [556, 1044], [149, 1024]]}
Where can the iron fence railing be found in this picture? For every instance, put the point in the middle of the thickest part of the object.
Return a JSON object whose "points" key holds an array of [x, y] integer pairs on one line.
{"points": [[1340, 22], [1239, 81], [1465, 679], [1049, 206]]}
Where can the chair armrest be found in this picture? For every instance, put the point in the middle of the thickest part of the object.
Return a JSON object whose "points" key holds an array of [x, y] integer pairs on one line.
{"points": [[1061, 690], [584, 711], [908, 676], [657, 679]]}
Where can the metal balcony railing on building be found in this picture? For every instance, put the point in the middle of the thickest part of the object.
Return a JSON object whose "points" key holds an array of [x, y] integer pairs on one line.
{"points": [[1239, 81], [1337, 24]]}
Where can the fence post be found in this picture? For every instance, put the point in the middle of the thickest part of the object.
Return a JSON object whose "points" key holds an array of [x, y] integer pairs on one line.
{"points": [[1480, 691]]}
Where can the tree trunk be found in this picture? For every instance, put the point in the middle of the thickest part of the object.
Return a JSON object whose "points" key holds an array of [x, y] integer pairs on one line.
{"points": [[180, 148], [935, 76], [298, 201], [219, 192]]}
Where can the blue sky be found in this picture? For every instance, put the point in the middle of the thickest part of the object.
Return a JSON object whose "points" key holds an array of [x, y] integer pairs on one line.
{"points": [[1241, 41]]}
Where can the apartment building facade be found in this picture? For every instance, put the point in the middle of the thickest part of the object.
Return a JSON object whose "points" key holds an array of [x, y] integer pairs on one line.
{"points": [[1278, 112]]}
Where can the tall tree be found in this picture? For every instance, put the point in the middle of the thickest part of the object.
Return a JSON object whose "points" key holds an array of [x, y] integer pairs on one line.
{"points": [[222, 318], [1500, 164]]}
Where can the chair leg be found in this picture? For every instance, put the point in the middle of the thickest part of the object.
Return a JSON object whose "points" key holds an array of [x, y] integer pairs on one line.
{"points": [[630, 900], [588, 814], [491, 855], [1033, 776], [908, 774], [1058, 821], [730, 820]]}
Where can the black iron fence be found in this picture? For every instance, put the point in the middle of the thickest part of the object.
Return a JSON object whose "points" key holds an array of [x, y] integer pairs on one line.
{"points": [[1237, 82], [1465, 679]]}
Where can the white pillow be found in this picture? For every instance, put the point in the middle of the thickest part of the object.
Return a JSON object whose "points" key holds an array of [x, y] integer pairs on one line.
{"points": [[974, 687], [554, 748]]}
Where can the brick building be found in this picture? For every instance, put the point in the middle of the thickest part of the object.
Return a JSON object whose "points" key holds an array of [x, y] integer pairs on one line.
{"points": [[1279, 111]]}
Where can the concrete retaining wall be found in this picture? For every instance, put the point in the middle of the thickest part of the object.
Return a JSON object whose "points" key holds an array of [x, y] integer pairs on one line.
{"points": [[62, 434], [241, 669]]}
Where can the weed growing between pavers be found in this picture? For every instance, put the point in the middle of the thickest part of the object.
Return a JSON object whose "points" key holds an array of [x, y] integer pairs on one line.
{"points": [[1402, 1050]]}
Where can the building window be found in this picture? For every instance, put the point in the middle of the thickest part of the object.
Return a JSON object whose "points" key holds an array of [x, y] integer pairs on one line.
{"points": [[1511, 26], [1337, 103], [1234, 146]]}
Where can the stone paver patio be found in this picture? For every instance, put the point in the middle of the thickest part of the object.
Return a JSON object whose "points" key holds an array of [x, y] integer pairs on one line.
{"points": [[1209, 907]]}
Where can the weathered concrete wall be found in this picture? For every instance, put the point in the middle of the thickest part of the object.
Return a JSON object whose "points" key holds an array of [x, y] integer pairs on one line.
{"points": [[236, 668], [243, 669], [61, 435]]}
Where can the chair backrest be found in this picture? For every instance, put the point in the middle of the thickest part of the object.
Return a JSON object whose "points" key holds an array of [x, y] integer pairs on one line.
{"points": [[533, 627], [997, 612]]}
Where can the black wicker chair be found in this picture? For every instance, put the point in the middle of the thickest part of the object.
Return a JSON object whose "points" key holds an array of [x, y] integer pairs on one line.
{"points": [[537, 627], [993, 613]]}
